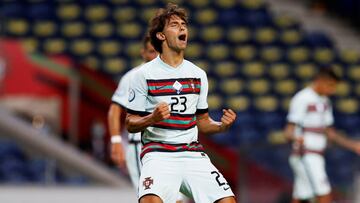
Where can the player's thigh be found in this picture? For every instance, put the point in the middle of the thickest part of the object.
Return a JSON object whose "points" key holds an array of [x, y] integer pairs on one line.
{"points": [[316, 164], [302, 185], [206, 183], [160, 176]]}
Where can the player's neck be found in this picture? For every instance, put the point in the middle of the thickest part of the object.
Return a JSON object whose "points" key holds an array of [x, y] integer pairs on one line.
{"points": [[172, 58]]}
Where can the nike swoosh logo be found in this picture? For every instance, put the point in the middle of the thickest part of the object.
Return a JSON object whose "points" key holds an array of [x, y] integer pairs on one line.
{"points": [[161, 87], [226, 188]]}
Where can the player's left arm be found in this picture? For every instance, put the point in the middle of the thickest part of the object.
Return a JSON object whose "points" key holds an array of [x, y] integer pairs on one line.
{"points": [[207, 125], [342, 140]]}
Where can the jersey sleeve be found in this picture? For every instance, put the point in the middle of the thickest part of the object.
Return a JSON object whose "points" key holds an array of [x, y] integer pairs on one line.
{"points": [[121, 94], [202, 105], [297, 110], [329, 117], [137, 94]]}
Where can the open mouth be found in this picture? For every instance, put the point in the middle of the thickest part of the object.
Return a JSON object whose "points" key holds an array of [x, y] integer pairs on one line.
{"points": [[182, 37]]}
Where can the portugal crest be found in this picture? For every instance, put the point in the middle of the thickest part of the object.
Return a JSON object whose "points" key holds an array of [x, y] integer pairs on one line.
{"points": [[148, 182]]}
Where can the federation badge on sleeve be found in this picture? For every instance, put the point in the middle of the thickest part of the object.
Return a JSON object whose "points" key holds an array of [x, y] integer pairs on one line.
{"points": [[131, 95]]}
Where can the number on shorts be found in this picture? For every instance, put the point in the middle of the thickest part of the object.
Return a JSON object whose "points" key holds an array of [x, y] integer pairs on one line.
{"points": [[217, 178]]}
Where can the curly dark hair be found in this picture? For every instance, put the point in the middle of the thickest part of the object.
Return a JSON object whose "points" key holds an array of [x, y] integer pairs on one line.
{"points": [[157, 23]]}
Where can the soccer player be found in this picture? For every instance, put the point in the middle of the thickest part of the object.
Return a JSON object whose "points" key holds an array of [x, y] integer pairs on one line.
{"points": [[118, 106], [168, 104], [309, 126]]}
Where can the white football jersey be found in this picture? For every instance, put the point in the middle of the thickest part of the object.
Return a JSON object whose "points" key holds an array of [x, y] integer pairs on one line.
{"points": [[184, 88], [312, 113], [121, 96]]}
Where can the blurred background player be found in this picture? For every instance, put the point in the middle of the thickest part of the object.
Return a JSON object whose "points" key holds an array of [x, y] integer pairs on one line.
{"points": [[117, 109], [310, 124], [168, 103]]}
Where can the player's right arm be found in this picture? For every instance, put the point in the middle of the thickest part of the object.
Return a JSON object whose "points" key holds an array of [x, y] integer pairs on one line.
{"points": [[295, 117]]}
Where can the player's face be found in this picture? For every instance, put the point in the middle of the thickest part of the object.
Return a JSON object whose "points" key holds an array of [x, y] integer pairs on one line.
{"points": [[148, 53], [176, 33], [327, 86]]}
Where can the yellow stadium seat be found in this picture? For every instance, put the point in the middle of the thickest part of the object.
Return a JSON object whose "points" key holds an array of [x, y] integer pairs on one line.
{"points": [[194, 50], [130, 30], [178, 2], [44, 28], [305, 71], [225, 69], [31, 45], [73, 29], [338, 69], [17, 27], [298, 54], [253, 69], [252, 4], [96, 12], [215, 101], [54, 46], [212, 84], [285, 87], [114, 65], [68, 11], [258, 86], [133, 49], [265, 35], [279, 71], [212, 33], [238, 103], [291, 37], [347, 105], [353, 72], [145, 3], [324, 55], [218, 52], [245, 52], [232, 86], [266, 103], [206, 16], [136, 61], [109, 48], [203, 64], [101, 30], [198, 3], [81, 47], [285, 103], [239, 34], [350, 56], [92, 62], [284, 21], [124, 14], [277, 137], [343, 89], [148, 13], [226, 3], [271, 54]]}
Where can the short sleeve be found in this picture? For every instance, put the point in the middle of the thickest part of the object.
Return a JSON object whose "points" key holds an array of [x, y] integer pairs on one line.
{"points": [[137, 93], [297, 110], [121, 94], [202, 104]]}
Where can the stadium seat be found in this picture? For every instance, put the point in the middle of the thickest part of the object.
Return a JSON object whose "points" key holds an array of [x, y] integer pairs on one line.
{"points": [[239, 35], [266, 103], [347, 105], [124, 14], [305, 71], [31, 44], [265, 36], [101, 30], [130, 31], [193, 34], [147, 13], [231, 86], [353, 72], [225, 4], [215, 102], [54, 45], [17, 27], [349, 57], [197, 4], [205, 16], [244, 53], [95, 13], [44, 28], [238, 104], [298, 55], [81, 47], [253, 4], [203, 64], [279, 71], [285, 103], [92, 62], [218, 52], [286, 22], [211, 34], [271, 54], [291, 37], [108, 48], [285, 87], [323, 55], [253, 69], [73, 29], [258, 86], [343, 89], [194, 51], [114, 65], [145, 3], [68, 11], [225, 69], [132, 49]]}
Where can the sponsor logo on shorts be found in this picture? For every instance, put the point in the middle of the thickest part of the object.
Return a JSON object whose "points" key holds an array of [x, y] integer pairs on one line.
{"points": [[148, 182]]}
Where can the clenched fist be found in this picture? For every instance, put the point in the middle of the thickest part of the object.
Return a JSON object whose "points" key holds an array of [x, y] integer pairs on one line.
{"points": [[161, 112], [227, 119]]}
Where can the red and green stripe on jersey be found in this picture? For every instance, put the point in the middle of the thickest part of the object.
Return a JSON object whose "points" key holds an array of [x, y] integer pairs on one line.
{"points": [[163, 87], [162, 147], [178, 122]]}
